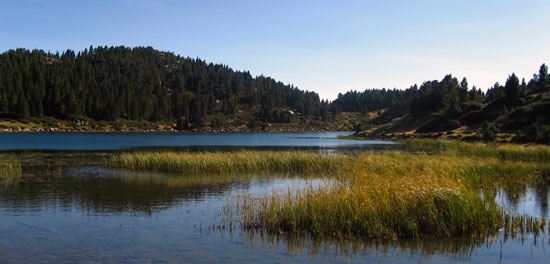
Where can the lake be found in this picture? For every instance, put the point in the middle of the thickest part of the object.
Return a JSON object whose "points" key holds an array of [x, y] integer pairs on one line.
{"points": [[85, 211], [117, 141]]}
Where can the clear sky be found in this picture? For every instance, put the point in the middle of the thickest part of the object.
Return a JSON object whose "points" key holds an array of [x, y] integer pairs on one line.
{"points": [[320, 45]]}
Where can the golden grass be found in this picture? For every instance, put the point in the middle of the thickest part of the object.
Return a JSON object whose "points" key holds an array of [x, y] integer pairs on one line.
{"points": [[233, 162], [380, 195], [501, 151], [389, 195]]}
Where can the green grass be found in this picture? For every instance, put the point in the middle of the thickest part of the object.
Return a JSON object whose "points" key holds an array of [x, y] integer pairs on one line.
{"points": [[347, 212], [388, 195], [501, 151], [233, 162]]}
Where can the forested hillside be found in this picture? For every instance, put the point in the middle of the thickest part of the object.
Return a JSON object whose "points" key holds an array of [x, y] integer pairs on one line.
{"points": [[106, 83], [120, 87], [519, 109]]}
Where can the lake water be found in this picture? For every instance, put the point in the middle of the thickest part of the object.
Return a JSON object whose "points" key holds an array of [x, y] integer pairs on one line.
{"points": [[117, 141], [88, 212]]}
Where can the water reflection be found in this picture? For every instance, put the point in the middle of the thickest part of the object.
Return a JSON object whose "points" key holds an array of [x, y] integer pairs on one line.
{"points": [[99, 190], [84, 211], [525, 249], [529, 199]]}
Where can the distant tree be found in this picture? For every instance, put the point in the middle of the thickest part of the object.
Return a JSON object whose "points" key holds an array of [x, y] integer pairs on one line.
{"points": [[251, 124], [512, 88], [134, 83], [542, 80], [23, 107], [488, 131], [543, 77]]}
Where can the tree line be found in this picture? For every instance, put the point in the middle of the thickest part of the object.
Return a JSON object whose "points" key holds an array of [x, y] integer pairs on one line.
{"points": [[450, 103], [449, 94], [106, 83]]}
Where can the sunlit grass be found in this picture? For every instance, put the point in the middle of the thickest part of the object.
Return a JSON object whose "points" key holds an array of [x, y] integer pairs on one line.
{"points": [[365, 212], [501, 151], [231, 162], [389, 195], [446, 191]]}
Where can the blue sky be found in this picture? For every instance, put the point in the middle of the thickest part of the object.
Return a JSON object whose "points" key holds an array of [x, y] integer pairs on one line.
{"points": [[323, 46]]}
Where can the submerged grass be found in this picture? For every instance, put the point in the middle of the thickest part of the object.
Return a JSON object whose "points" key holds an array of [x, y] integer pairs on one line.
{"points": [[380, 195], [10, 169]]}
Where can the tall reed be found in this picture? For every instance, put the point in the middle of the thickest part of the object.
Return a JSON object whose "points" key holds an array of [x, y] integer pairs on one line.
{"points": [[501, 151], [358, 212], [231, 162], [380, 195], [389, 195], [471, 170]]}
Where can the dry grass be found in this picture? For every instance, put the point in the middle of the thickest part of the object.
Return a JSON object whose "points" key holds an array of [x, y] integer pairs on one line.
{"points": [[380, 195], [389, 195], [501, 151], [234, 162]]}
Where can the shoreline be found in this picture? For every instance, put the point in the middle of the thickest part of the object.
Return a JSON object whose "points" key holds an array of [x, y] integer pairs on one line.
{"points": [[354, 136], [165, 131]]}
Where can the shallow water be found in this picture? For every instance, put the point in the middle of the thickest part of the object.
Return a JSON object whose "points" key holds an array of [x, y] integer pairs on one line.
{"points": [[97, 214], [70, 207], [532, 200]]}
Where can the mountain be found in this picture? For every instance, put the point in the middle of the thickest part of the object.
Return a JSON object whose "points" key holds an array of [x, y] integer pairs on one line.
{"points": [[143, 84], [517, 111], [121, 88]]}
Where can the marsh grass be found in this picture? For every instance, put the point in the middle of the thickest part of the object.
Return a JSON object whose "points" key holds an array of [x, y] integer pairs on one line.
{"points": [[9, 169], [179, 181], [501, 151], [386, 195], [353, 212], [231, 162], [391, 195]]}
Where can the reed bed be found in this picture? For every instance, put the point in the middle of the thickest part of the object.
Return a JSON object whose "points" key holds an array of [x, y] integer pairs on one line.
{"points": [[391, 195], [355, 212], [379, 195], [231, 162], [9, 169], [501, 151]]}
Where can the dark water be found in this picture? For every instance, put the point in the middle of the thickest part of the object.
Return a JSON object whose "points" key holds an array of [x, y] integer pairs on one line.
{"points": [[114, 141], [96, 214], [87, 212]]}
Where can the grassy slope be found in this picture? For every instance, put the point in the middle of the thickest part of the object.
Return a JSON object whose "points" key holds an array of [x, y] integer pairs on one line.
{"points": [[535, 109]]}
